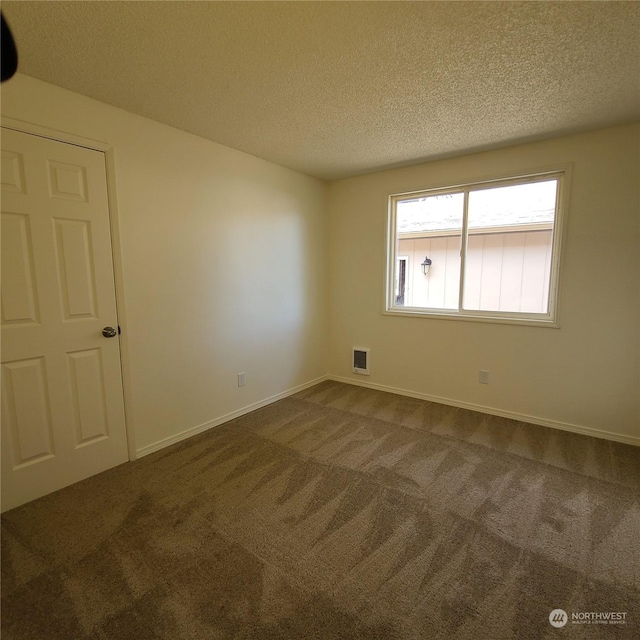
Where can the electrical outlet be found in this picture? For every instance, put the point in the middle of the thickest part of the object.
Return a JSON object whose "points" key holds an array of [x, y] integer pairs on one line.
{"points": [[483, 376], [241, 379]]}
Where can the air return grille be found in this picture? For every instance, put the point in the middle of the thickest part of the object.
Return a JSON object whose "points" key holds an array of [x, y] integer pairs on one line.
{"points": [[360, 361]]}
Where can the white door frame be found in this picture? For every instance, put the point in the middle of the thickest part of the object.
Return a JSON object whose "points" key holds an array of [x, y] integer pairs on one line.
{"points": [[116, 254]]}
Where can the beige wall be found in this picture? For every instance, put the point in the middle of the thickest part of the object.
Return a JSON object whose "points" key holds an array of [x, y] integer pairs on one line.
{"points": [[586, 373], [223, 264]]}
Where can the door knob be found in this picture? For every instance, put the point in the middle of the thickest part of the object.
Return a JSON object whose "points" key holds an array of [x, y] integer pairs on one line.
{"points": [[109, 332]]}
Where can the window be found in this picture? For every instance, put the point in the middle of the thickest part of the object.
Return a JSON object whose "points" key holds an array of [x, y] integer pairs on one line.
{"points": [[486, 250]]}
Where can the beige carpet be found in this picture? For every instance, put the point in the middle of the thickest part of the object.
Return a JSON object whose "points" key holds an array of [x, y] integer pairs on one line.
{"points": [[338, 513]]}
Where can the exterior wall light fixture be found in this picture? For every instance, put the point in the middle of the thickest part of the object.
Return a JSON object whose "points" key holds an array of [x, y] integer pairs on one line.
{"points": [[426, 265]]}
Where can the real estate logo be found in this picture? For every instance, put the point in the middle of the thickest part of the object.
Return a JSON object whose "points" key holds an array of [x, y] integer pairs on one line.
{"points": [[558, 618]]}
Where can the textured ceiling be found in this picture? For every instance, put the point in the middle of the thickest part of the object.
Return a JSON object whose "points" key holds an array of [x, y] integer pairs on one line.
{"points": [[333, 89]]}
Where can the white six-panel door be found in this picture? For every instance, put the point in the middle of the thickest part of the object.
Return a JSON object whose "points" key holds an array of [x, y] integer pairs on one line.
{"points": [[62, 402]]}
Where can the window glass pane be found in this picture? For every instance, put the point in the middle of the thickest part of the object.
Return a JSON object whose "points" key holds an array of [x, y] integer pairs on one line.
{"points": [[429, 228], [510, 240]]}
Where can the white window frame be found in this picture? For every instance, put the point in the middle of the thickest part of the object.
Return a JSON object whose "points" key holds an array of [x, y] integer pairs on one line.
{"points": [[548, 319]]}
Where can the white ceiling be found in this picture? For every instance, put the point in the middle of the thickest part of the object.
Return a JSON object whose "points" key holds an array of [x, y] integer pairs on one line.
{"points": [[333, 89]]}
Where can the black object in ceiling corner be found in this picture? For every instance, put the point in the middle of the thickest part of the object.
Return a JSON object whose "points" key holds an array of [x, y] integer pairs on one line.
{"points": [[9, 52]]}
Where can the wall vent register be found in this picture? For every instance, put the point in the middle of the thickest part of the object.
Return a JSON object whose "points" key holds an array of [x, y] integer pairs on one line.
{"points": [[360, 361]]}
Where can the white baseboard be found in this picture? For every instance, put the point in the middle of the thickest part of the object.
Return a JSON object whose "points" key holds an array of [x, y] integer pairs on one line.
{"points": [[554, 424], [187, 433]]}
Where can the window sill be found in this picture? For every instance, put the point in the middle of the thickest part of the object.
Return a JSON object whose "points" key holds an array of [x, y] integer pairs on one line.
{"points": [[487, 317]]}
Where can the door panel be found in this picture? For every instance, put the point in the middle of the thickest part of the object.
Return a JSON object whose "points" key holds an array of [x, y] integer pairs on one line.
{"points": [[19, 297], [27, 401], [88, 395], [62, 403], [75, 268]]}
